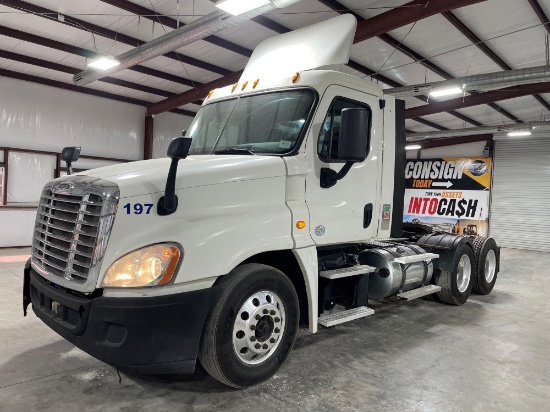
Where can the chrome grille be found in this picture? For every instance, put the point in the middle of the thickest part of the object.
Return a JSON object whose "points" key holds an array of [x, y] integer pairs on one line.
{"points": [[72, 227]]}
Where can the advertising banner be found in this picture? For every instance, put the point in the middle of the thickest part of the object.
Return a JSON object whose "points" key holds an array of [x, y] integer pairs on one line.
{"points": [[451, 194]]}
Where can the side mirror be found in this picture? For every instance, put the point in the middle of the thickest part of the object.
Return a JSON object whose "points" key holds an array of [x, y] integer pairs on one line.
{"points": [[354, 140], [177, 150], [353, 144], [70, 155]]}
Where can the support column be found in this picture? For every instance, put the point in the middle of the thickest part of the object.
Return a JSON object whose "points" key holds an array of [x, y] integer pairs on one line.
{"points": [[148, 141]]}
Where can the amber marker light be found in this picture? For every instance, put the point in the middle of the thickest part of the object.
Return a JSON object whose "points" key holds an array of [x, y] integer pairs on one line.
{"points": [[255, 83], [210, 93], [295, 77], [244, 85], [300, 224], [234, 87]]}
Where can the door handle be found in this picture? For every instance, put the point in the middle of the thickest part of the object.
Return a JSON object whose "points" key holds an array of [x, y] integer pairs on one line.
{"points": [[367, 216]]}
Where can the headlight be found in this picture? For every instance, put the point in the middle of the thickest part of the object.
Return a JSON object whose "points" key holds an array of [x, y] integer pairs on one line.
{"points": [[151, 266]]}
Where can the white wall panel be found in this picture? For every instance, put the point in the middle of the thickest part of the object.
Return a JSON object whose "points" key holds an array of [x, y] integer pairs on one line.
{"points": [[520, 216], [16, 227], [28, 173], [166, 127], [45, 118]]}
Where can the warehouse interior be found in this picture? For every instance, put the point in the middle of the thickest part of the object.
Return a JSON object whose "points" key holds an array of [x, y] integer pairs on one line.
{"points": [[488, 354]]}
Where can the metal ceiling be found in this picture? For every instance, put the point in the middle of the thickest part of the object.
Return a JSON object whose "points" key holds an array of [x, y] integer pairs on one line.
{"points": [[479, 38]]}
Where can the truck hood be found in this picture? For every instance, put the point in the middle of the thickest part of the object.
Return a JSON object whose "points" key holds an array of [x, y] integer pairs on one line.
{"points": [[149, 176]]}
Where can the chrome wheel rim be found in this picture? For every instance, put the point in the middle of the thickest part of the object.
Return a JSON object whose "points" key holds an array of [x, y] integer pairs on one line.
{"points": [[490, 266], [258, 327], [464, 273]]}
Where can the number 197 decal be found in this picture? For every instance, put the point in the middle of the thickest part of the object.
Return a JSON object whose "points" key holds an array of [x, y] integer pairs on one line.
{"points": [[138, 208]]}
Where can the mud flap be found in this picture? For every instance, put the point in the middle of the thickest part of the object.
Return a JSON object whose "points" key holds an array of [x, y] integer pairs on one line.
{"points": [[26, 286]]}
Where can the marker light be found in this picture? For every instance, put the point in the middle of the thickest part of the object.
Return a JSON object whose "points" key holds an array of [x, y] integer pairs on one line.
{"points": [[104, 63], [446, 92], [255, 83], [236, 7], [520, 133], [300, 224], [413, 147], [244, 85], [150, 266], [295, 77], [210, 93], [234, 87]]}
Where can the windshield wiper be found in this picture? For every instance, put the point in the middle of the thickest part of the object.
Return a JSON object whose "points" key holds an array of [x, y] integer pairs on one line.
{"points": [[236, 150]]}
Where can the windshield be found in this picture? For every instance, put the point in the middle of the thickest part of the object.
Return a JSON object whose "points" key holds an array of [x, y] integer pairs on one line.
{"points": [[269, 123]]}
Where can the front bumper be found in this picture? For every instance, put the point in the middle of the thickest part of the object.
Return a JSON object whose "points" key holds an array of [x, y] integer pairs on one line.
{"points": [[139, 335]]}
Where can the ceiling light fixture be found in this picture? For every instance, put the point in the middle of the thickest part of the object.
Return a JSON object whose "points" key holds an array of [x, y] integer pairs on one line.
{"points": [[446, 92], [236, 7], [104, 63], [413, 147], [520, 133]]}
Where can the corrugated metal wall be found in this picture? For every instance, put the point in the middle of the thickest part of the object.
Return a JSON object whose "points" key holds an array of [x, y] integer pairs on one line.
{"points": [[520, 208]]}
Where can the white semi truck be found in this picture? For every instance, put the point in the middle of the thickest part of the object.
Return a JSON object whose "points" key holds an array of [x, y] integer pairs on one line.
{"points": [[282, 207]]}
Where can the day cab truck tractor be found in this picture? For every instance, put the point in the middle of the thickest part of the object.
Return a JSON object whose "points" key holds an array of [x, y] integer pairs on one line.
{"points": [[282, 206]]}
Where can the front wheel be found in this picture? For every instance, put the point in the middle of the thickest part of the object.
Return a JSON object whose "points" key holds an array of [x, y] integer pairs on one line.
{"points": [[456, 285], [251, 328]]}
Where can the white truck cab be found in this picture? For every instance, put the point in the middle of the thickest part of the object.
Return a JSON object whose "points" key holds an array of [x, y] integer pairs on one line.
{"points": [[281, 207]]}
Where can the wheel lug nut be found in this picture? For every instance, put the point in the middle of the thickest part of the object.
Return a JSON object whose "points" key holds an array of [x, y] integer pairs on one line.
{"points": [[272, 340], [258, 317], [277, 320], [277, 330], [266, 311], [253, 327], [265, 346], [258, 346], [253, 338], [272, 313]]}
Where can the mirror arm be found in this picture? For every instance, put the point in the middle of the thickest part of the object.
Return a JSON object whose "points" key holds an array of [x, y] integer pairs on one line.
{"points": [[330, 177], [169, 202]]}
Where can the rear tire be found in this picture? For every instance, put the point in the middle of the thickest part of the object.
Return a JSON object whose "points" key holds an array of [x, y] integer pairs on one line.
{"points": [[486, 265], [456, 285], [251, 328]]}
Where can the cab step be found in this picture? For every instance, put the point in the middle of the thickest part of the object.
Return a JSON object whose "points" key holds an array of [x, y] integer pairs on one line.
{"points": [[345, 316], [423, 257], [345, 272], [418, 293]]}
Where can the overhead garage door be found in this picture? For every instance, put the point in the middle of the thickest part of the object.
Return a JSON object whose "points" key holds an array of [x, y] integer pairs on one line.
{"points": [[520, 206]]}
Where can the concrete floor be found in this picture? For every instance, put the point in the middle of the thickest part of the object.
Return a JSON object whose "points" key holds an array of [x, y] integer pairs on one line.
{"points": [[492, 354]]}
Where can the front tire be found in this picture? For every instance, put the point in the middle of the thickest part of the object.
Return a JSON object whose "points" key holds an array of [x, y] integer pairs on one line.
{"points": [[456, 285], [251, 328]]}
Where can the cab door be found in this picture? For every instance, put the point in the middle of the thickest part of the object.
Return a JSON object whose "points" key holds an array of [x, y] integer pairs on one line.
{"points": [[349, 210]]}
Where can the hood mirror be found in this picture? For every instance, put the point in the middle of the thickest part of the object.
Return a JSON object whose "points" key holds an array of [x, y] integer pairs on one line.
{"points": [[177, 150], [70, 155]]}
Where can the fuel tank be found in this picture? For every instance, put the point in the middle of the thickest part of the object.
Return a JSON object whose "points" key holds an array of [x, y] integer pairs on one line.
{"points": [[391, 277]]}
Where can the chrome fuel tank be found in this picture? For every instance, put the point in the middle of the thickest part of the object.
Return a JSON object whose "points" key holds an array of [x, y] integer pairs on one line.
{"points": [[391, 277]]}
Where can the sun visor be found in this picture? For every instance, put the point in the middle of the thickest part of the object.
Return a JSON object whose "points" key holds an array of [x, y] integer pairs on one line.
{"points": [[321, 44]]}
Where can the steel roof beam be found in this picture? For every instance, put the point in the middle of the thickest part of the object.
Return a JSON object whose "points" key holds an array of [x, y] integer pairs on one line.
{"points": [[110, 34], [340, 8], [56, 45], [173, 24], [540, 13], [478, 99], [84, 90], [401, 16], [32, 38], [470, 35], [193, 94], [72, 70]]}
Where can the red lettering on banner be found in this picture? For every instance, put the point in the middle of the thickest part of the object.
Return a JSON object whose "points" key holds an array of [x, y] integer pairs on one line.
{"points": [[433, 206]]}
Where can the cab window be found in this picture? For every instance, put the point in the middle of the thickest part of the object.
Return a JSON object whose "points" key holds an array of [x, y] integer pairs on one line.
{"points": [[327, 147]]}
